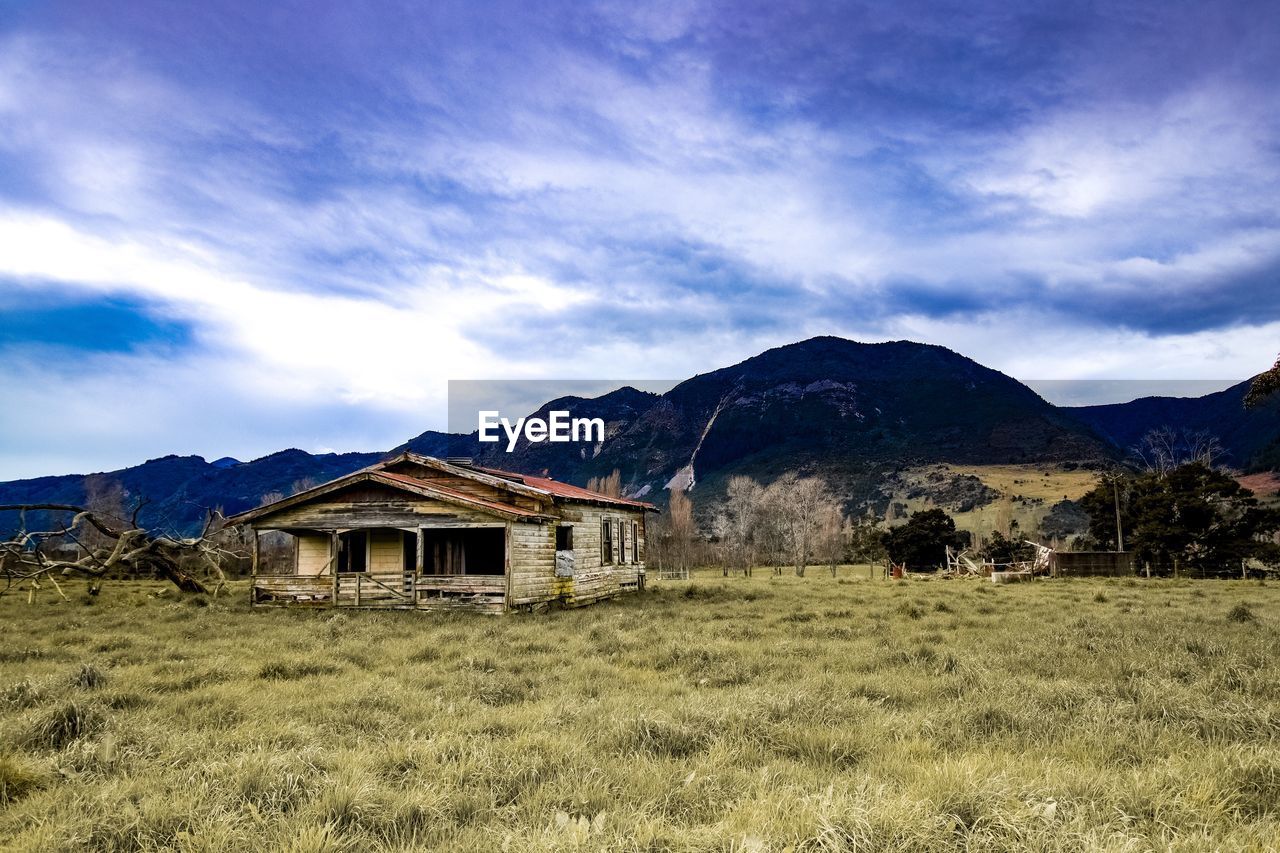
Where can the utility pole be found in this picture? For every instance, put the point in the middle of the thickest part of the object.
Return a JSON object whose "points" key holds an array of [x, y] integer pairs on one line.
{"points": [[1115, 493]]}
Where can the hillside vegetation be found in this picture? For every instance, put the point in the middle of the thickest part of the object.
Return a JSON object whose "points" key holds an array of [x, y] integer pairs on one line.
{"points": [[996, 496], [739, 714]]}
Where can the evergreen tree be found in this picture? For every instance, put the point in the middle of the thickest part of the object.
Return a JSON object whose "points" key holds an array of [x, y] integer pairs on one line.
{"points": [[1192, 517], [922, 542]]}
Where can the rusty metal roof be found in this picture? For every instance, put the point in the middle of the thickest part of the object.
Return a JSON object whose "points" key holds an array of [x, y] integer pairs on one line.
{"points": [[564, 490]]}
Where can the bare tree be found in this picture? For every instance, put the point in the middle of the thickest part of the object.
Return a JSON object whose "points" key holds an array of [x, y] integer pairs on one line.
{"points": [[1164, 449], [682, 530], [800, 504], [833, 537], [738, 521], [128, 549], [302, 484], [673, 537], [610, 485], [106, 498]]}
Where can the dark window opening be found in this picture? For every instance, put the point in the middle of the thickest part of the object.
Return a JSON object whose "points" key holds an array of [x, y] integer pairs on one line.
{"points": [[564, 537], [353, 551], [410, 552], [470, 551], [635, 542], [622, 542], [606, 542]]}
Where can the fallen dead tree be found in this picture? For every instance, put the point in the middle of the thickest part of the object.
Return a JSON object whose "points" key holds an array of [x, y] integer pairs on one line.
{"points": [[119, 547]]}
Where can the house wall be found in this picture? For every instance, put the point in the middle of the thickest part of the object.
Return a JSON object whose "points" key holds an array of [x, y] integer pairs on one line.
{"points": [[594, 579], [313, 553], [532, 556], [386, 553], [1093, 563]]}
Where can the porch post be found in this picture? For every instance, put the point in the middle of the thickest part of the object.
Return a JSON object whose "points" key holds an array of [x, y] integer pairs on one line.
{"points": [[420, 563], [253, 585], [506, 565], [333, 564]]}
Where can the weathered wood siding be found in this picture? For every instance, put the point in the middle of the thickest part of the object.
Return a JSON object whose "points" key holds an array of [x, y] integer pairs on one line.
{"points": [[587, 521], [313, 553], [386, 553], [291, 589], [1093, 563], [532, 555], [470, 486], [594, 579]]}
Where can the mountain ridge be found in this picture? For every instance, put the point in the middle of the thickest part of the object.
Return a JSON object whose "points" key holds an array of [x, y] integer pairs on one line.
{"points": [[855, 412]]}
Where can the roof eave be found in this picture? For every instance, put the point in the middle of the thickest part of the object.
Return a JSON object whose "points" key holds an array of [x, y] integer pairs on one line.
{"points": [[374, 475]]}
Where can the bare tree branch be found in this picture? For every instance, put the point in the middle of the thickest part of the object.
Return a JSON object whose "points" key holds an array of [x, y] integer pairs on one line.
{"points": [[131, 550]]}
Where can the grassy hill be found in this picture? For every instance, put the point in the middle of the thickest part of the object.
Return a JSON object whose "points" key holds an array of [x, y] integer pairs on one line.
{"points": [[1026, 494]]}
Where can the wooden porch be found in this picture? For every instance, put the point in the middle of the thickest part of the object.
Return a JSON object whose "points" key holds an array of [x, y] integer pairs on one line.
{"points": [[439, 568], [359, 589]]}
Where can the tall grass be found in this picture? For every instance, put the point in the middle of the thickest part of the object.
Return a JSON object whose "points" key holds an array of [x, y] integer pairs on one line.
{"points": [[739, 714]]}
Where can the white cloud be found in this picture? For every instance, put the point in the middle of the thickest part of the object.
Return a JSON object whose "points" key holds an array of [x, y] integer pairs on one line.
{"points": [[1118, 158], [304, 345], [1032, 345], [438, 239]]}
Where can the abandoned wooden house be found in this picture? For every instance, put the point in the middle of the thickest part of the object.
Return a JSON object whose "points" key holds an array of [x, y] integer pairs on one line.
{"points": [[424, 533]]}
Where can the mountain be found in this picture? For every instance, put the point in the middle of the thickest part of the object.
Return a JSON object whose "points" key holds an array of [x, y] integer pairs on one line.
{"points": [[179, 489], [851, 410], [856, 413], [1251, 438]]}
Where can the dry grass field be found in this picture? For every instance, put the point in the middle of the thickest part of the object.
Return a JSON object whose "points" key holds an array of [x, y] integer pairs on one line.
{"points": [[1046, 482], [739, 714]]}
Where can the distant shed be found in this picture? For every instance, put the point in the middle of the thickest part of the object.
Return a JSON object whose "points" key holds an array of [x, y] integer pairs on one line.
{"points": [[1082, 564]]}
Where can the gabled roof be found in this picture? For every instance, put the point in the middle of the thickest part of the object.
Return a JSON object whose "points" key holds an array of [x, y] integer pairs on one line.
{"points": [[516, 484], [396, 481]]}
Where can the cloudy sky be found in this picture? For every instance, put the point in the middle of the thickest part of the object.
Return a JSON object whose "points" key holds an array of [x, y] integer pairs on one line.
{"points": [[231, 228]]}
